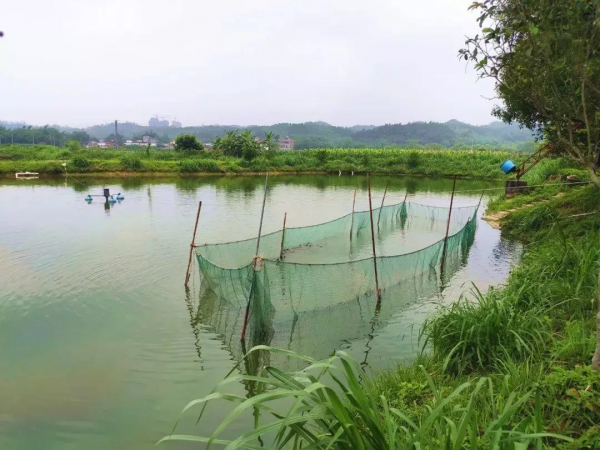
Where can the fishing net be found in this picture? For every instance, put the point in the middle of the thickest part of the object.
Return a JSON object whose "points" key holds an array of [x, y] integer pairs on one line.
{"points": [[309, 272]]}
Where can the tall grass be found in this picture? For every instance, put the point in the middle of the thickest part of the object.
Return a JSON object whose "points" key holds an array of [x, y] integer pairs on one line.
{"points": [[466, 163], [330, 408]]}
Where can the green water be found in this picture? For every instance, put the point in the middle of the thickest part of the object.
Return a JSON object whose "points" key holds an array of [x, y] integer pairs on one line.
{"points": [[101, 348]]}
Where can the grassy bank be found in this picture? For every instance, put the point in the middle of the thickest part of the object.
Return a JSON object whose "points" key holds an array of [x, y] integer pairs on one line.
{"points": [[49, 160], [509, 369]]}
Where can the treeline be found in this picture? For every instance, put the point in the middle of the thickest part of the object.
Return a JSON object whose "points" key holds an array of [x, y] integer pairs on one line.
{"points": [[452, 134], [41, 136]]}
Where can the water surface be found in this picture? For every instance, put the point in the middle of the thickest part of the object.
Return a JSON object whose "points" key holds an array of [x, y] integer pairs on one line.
{"points": [[101, 347]]}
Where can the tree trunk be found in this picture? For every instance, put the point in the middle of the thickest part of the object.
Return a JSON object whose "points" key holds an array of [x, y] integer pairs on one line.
{"points": [[596, 358], [593, 176]]}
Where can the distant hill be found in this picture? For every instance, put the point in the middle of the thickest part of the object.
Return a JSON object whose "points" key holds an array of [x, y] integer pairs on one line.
{"points": [[324, 135]]}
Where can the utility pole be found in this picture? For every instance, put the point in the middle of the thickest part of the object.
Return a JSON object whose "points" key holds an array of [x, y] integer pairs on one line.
{"points": [[116, 135], [12, 136]]}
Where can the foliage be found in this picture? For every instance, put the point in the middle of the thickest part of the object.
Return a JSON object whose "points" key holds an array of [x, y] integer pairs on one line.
{"points": [[479, 333], [73, 146], [81, 162], [187, 143], [239, 145], [413, 160], [349, 418], [463, 163], [545, 59], [131, 162]]}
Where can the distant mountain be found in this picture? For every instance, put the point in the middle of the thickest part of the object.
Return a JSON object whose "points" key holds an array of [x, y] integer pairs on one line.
{"points": [[12, 125], [323, 135]]}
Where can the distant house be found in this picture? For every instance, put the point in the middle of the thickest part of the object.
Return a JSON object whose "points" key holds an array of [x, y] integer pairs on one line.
{"points": [[287, 143], [170, 145], [175, 124], [146, 139]]}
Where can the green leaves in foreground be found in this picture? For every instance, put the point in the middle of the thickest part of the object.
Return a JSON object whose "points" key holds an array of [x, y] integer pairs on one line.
{"points": [[326, 406]]}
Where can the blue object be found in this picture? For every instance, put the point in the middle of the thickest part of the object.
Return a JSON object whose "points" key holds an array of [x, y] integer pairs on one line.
{"points": [[508, 167], [111, 200], [120, 197], [88, 198]]}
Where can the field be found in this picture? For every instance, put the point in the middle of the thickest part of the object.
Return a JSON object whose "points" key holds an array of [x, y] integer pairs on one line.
{"points": [[48, 160]]}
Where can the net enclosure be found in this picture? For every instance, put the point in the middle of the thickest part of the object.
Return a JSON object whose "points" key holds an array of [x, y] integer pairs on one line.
{"points": [[305, 269]]}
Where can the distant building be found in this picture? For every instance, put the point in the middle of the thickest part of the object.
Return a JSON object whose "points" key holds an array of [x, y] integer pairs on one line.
{"points": [[170, 145], [155, 122], [176, 124], [146, 139], [287, 143]]}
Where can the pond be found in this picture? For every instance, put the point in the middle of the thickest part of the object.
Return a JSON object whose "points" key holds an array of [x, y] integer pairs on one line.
{"points": [[101, 346]]}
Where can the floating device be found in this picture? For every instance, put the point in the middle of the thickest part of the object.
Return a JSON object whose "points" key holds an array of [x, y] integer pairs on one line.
{"points": [[120, 197], [508, 167], [111, 200], [89, 198]]}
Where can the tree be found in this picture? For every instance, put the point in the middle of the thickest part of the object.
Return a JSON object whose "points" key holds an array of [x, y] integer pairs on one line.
{"points": [[239, 145], [187, 143], [544, 57]]}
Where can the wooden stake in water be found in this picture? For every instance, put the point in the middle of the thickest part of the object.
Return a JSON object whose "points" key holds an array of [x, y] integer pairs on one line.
{"points": [[382, 200], [373, 242], [448, 227], [352, 216], [192, 245], [282, 236], [262, 214]]}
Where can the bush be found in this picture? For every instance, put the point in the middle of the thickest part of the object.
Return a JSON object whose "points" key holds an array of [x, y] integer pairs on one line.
{"points": [[81, 163], [413, 160], [188, 165], [187, 143], [73, 146], [322, 156], [131, 162]]}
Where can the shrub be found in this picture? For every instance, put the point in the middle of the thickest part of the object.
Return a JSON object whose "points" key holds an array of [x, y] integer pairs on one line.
{"points": [[73, 146], [189, 165], [187, 143], [208, 166], [321, 156], [413, 160], [131, 162], [81, 163]]}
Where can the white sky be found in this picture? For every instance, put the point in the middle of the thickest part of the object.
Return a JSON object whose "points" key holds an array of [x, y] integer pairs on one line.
{"points": [[346, 62]]}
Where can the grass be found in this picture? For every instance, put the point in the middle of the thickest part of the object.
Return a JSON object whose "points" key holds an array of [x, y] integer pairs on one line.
{"points": [[350, 417], [509, 369], [465, 163]]}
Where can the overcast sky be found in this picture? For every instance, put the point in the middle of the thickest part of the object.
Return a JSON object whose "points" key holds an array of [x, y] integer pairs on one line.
{"points": [[346, 62]]}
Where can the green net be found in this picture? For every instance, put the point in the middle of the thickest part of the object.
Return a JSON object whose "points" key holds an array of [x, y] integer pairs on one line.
{"points": [[329, 267]]}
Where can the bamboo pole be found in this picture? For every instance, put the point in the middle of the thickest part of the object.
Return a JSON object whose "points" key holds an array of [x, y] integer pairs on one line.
{"points": [[373, 242], [382, 200], [352, 217], [262, 214], [480, 198], [282, 236], [448, 227], [192, 245]]}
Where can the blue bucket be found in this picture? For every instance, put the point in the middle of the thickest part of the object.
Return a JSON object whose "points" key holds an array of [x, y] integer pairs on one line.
{"points": [[508, 167]]}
